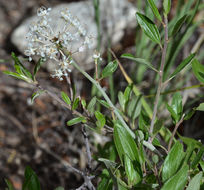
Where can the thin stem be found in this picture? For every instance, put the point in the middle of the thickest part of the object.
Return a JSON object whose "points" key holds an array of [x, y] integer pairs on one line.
{"points": [[68, 79], [62, 161], [157, 175], [96, 69], [161, 71], [174, 132], [105, 97], [88, 151]]}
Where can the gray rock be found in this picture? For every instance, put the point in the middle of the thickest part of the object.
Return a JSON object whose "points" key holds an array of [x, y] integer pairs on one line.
{"points": [[115, 17]]}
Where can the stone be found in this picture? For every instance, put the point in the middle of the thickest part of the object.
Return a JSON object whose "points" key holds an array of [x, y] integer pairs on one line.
{"points": [[115, 17]]}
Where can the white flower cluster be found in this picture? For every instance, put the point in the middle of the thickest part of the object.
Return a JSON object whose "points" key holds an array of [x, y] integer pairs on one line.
{"points": [[43, 41]]}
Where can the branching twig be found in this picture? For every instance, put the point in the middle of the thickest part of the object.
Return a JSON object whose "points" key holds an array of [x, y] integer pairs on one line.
{"points": [[161, 71], [63, 162], [87, 178], [88, 151], [174, 132]]}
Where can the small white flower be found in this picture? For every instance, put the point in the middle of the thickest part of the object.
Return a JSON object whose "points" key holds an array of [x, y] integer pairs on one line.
{"points": [[49, 43], [96, 55]]}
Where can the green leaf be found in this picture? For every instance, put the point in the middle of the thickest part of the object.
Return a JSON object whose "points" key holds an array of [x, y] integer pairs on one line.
{"points": [[21, 67], [166, 6], [139, 60], [178, 181], [76, 120], [177, 105], [122, 100], [195, 182], [65, 98], [31, 181], [108, 163], [127, 92], [124, 143], [75, 103], [198, 157], [202, 164], [173, 161], [144, 121], [188, 153], [101, 121], [200, 107], [178, 25], [91, 105], [109, 69], [157, 126], [183, 64], [83, 103], [59, 188], [37, 66], [134, 107], [105, 184], [9, 184], [176, 108], [16, 75], [154, 9], [189, 141], [103, 103], [172, 112], [133, 176], [198, 70], [18, 69], [189, 114], [150, 29], [36, 94]]}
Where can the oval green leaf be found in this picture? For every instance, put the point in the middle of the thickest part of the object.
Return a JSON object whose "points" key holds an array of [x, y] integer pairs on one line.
{"points": [[122, 100], [178, 181], [75, 103], [166, 6], [183, 64], [154, 9], [150, 29], [101, 120], [65, 98], [200, 107], [31, 180], [198, 70], [124, 143], [109, 69], [139, 60], [91, 105], [178, 25], [133, 176], [173, 161], [195, 182], [76, 120], [22, 68]]}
